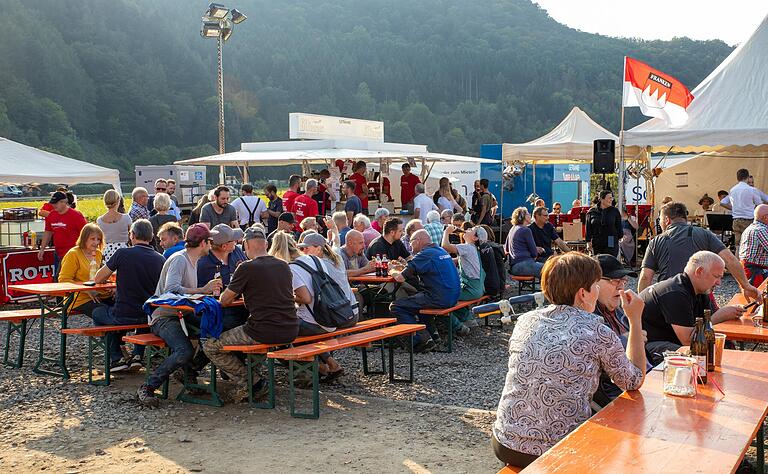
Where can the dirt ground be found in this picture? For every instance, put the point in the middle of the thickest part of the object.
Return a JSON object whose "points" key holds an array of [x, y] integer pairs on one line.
{"points": [[353, 434]]}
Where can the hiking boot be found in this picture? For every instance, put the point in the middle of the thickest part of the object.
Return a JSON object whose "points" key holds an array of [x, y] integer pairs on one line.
{"points": [[427, 345], [146, 396], [119, 365]]}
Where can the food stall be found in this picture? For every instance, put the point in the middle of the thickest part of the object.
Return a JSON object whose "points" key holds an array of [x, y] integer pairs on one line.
{"points": [[21, 228]]}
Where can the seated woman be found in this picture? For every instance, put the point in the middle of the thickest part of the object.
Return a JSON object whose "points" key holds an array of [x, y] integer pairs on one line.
{"points": [[471, 274], [521, 247], [80, 264], [556, 355], [162, 205]]}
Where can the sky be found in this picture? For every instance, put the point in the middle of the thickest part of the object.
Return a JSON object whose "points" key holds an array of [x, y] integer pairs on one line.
{"points": [[731, 21]]}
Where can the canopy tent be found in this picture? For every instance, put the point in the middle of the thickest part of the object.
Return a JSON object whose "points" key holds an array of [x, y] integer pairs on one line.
{"points": [[571, 141], [728, 112], [25, 164]]}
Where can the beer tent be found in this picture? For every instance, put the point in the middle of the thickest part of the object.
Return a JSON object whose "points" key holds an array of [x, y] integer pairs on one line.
{"points": [[25, 164]]}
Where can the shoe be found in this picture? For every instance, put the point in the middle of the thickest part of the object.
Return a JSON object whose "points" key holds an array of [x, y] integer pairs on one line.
{"points": [[463, 331], [146, 396], [136, 363], [331, 376], [260, 389], [425, 346], [472, 323], [119, 365]]}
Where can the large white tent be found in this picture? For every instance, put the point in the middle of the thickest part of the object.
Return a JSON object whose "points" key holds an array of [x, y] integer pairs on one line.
{"points": [[571, 141], [729, 111], [25, 164]]}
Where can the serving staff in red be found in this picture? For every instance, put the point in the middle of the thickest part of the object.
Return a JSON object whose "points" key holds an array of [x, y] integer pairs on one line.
{"points": [[408, 184], [305, 205], [361, 184], [64, 225]]}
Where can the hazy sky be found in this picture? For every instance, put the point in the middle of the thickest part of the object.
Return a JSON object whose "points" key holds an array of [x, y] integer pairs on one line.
{"points": [[731, 21]]}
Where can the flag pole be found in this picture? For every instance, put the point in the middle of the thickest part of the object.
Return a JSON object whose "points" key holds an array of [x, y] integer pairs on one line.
{"points": [[622, 164]]}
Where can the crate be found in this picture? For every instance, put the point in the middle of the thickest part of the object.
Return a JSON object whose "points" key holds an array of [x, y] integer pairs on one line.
{"points": [[20, 214]]}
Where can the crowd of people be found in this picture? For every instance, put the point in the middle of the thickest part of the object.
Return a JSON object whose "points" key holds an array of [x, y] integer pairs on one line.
{"points": [[566, 360]]}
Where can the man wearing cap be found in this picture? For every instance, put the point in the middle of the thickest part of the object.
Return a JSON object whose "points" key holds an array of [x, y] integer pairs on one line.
{"points": [[140, 199], [224, 257], [612, 283], [304, 205], [284, 223], [63, 225], [272, 313], [179, 275]]}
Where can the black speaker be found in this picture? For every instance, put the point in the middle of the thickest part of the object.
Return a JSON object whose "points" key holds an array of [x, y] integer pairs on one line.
{"points": [[604, 156]]}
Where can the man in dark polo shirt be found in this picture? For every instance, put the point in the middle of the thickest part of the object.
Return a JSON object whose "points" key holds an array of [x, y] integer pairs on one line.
{"points": [[269, 301], [389, 244], [668, 252], [672, 305], [544, 234]]}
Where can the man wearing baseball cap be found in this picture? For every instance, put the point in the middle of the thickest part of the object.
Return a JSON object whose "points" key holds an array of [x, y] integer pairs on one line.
{"points": [[272, 313], [285, 223], [613, 282], [179, 275], [63, 225]]}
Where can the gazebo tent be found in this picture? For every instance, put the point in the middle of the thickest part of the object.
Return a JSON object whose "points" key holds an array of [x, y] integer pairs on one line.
{"points": [[571, 141], [728, 112], [25, 164]]}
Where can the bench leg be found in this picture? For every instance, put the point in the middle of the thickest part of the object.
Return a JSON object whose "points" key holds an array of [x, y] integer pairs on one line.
{"points": [[19, 328], [364, 353], [295, 368], [253, 363], [409, 346], [761, 448], [151, 353], [95, 342], [210, 387]]}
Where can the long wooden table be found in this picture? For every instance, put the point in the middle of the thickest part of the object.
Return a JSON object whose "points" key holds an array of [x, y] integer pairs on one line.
{"points": [[647, 431], [743, 329], [371, 279], [51, 306]]}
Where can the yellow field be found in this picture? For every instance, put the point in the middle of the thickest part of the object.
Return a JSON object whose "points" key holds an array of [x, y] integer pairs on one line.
{"points": [[90, 207]]}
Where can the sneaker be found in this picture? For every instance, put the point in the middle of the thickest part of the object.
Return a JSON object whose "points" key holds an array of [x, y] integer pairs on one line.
{"points": [[260, 389], [472, 323], [135, 362], [463, 331], [425, 346], [146, 396], [119, 365]]}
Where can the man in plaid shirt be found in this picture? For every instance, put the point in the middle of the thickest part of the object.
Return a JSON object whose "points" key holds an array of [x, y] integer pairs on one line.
{"points": [[434, 227], [753, 251]]}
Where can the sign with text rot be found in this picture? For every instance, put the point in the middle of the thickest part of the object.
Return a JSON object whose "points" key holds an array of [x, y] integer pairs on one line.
{"points": [[23, 267]]}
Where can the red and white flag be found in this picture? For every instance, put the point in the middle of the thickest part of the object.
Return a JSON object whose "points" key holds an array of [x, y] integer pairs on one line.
{"points": [[656, 93]]}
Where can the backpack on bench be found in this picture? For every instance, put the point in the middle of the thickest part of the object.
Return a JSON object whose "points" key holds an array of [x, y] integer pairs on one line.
{"points": [[331, 304]]}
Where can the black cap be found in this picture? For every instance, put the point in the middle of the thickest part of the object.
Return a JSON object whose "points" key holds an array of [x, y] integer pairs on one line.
{"points": [[58, 196], [612, 267], [287, 217]]}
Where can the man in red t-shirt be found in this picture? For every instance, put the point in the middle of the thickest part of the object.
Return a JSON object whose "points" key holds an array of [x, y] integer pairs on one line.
{"points": [[63, 224], [304, 205], [361, 184], [408, 184], [294, 182]]}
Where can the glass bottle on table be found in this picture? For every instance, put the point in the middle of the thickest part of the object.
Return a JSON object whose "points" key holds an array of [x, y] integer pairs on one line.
{"points": [[765, 309], [93, 269], [699, 350], [216, 276], [709, 332]]}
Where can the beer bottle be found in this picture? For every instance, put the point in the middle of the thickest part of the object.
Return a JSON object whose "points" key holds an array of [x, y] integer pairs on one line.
{"points": [[217, 275], [699, 350], [709, 332], [765, 309]]}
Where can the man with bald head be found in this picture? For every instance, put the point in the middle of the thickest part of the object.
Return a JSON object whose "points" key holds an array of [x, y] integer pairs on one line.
{"points": [[753, 251], [440, 288], [672, 306], [353, 254]]}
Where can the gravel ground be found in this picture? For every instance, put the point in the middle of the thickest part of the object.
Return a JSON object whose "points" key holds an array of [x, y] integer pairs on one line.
{"points": [[470, 377]]}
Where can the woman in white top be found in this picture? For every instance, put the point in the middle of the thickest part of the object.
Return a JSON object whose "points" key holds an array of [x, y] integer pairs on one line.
{"points": [[446, 199], [114, 224]]}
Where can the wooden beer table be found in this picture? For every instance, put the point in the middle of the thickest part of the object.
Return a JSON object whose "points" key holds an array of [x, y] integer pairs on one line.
{"points": [[743, 329], [647, 431], [371, 279], [55, 300]]}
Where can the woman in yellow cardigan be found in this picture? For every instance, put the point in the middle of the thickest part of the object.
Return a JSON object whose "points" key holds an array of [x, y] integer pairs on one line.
{"points": [[77, 264]]}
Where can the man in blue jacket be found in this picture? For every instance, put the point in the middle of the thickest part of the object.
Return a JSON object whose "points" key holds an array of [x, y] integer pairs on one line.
{"points": [[440, 288]]}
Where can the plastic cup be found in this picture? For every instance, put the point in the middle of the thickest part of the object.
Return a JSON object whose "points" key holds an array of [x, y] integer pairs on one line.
{"points": [[719, 346]]}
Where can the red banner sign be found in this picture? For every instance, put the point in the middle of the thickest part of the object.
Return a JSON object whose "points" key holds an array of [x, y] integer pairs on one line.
{"points": [[22, 267]]}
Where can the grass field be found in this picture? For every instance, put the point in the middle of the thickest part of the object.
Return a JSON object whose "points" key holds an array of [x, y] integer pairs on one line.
{"points": [[90, 207]]}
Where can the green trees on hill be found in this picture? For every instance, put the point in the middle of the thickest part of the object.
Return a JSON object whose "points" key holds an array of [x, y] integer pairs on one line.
{"points": [[130, 82]]}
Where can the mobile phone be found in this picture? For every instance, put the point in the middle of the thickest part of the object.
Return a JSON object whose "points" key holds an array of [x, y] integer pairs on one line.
{"points": [[89, 283]]}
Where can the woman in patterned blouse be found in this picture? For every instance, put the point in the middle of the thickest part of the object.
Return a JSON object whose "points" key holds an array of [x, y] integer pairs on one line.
{"points": [[556, 354]]}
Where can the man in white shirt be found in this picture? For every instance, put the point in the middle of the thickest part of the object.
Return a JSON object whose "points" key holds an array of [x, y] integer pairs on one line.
{"points": [[250, 209], [742, 201], [422, 204], [763, 196]]}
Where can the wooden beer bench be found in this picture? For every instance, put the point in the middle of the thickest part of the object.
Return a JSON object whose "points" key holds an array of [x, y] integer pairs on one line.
{"points": [[524, 283], [448, 311], [256, 355], [17, 324], [305, 359], [97, 340]]}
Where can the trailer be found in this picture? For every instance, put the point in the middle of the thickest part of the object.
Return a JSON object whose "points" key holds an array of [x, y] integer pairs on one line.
{"points": [[190, 181]]}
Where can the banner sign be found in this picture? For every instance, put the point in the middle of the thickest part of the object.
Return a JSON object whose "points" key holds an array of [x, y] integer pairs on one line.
{"points": [[23, 267], [325, 127]]}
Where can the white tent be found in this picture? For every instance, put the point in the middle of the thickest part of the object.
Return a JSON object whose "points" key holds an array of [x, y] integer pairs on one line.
{"points": [[25, 164], [728, 111], [570, 141]]}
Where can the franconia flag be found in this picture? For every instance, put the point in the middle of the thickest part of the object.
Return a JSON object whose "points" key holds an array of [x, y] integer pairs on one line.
{"points": [[656, 93]]}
